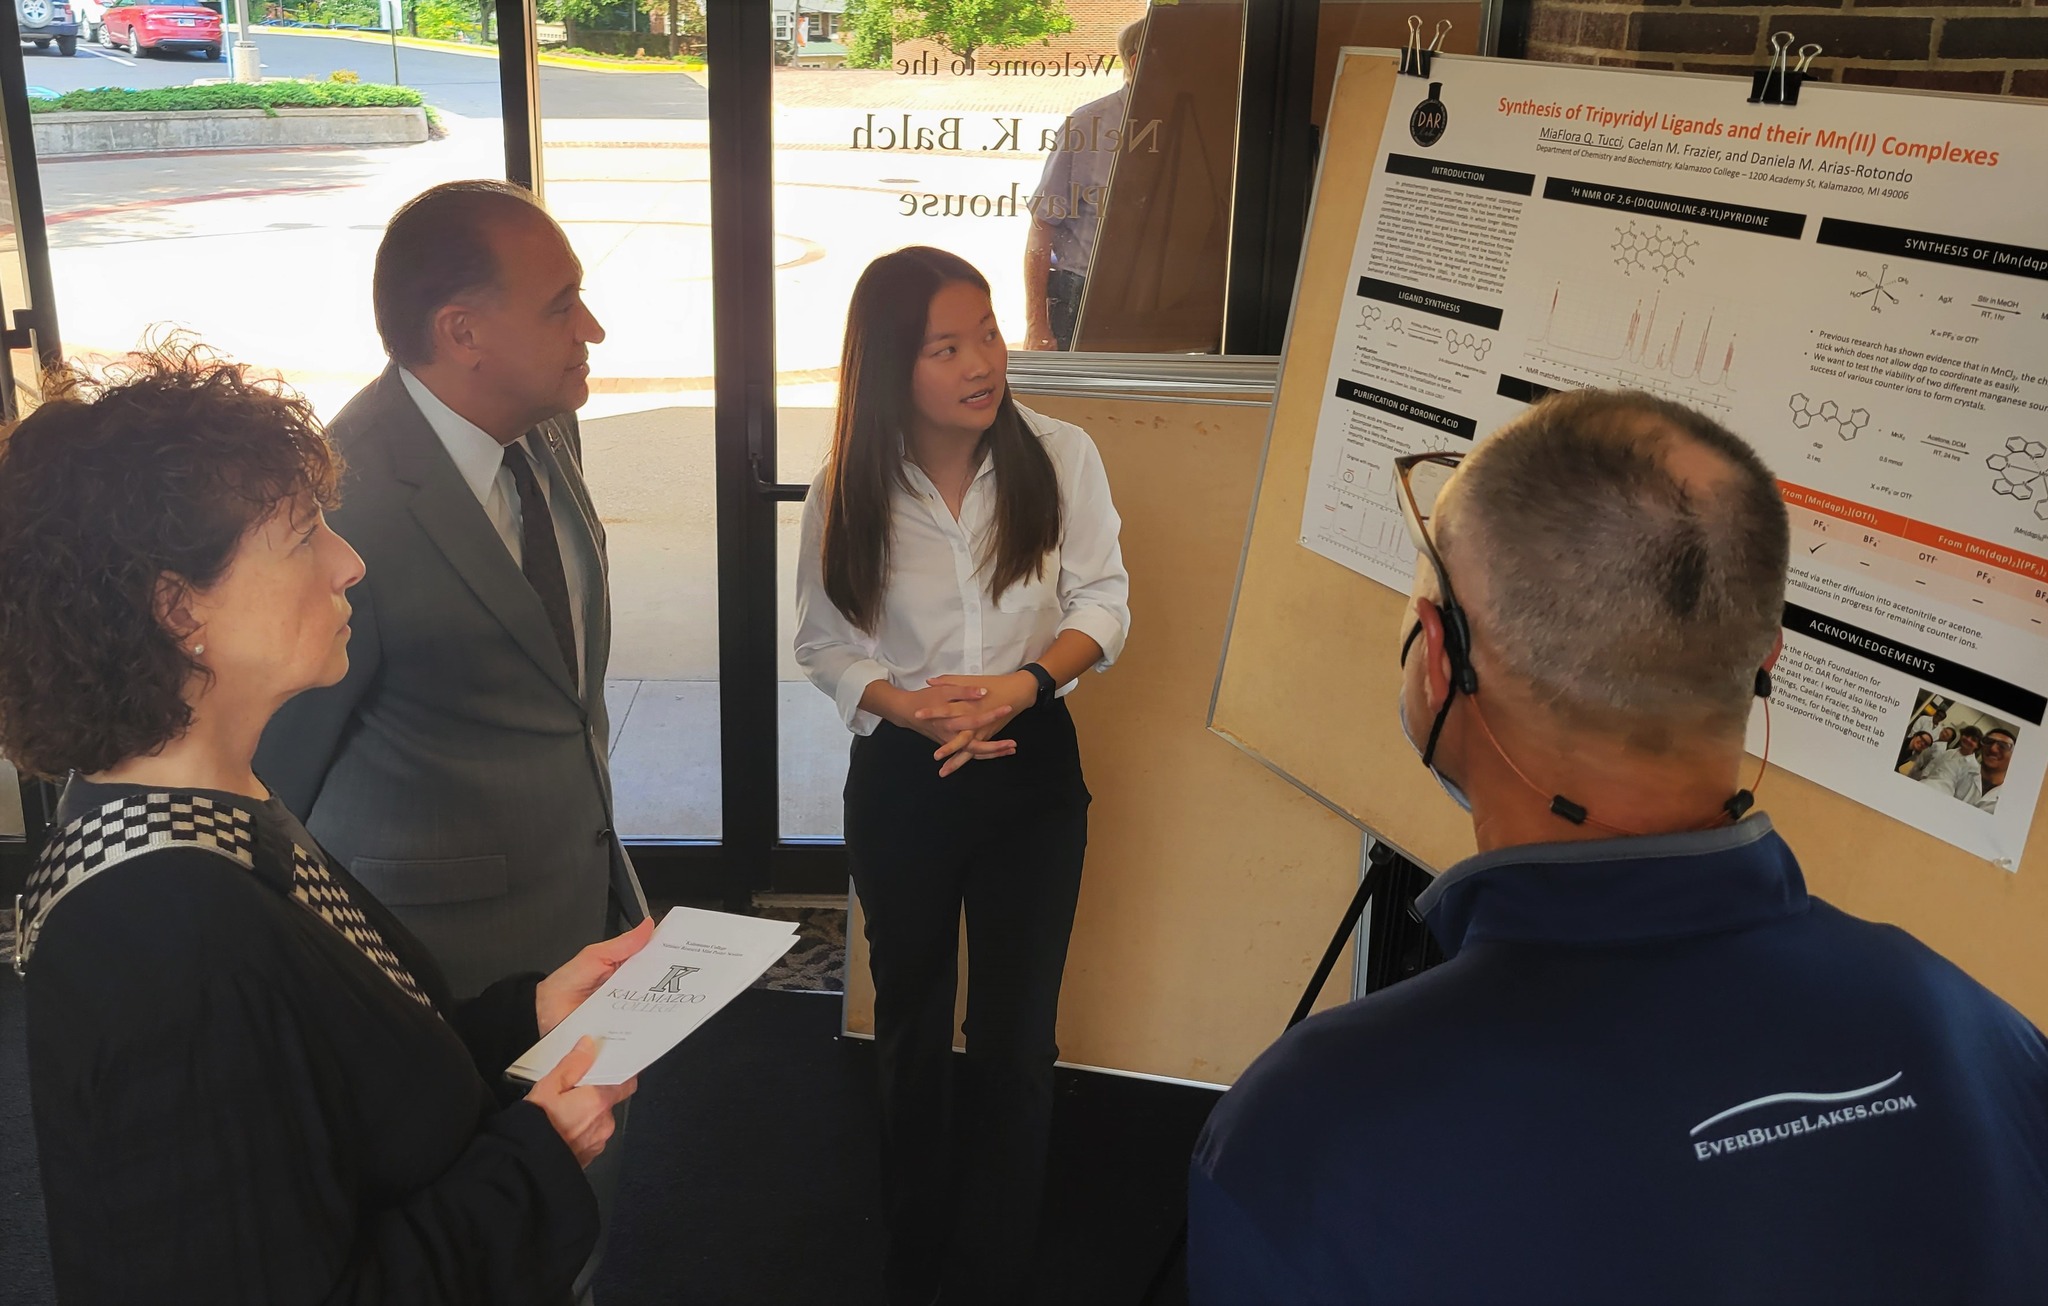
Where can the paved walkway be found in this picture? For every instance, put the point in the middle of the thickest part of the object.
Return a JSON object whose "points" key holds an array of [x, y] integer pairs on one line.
{"points": [[665, 770]]}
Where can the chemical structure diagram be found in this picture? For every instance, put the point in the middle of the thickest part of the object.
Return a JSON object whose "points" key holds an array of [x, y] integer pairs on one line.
{"points": [[1848, 424], [2022, 472], [1368, 314], [1471, 342], [1880, 288], [1653, 253]]}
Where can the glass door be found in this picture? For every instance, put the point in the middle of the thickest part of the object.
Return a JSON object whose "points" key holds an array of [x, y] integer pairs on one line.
{"points": [[621, 146], [637, 122], [28, 317], [782, 783], [28, 343]]}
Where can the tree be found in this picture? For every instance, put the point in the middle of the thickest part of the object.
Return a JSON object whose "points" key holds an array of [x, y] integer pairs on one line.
{"points": [[961, 26], [869, 33], [442, 20], [685, 18]]}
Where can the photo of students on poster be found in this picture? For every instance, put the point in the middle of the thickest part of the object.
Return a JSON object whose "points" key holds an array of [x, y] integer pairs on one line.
{"points": [[1958, 750]]}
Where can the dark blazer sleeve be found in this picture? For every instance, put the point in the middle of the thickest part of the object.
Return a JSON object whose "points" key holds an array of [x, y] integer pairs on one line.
{"points": [[499, 1024], [191, 1153], [303, 738]]}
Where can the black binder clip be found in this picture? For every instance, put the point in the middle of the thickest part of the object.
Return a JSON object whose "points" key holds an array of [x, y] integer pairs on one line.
{"points": [[1416, 58], [1779, 82]]}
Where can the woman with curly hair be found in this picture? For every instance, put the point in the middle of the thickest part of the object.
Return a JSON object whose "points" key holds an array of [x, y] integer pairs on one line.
{"points": [[249, 1084]]}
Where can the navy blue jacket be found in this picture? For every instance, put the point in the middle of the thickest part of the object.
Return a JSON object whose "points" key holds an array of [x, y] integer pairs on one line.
{"points": [[1653, 1070]]}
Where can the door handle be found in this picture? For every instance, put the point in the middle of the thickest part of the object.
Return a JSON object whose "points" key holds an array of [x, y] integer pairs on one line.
{"points": [[757, 452], [22, 335]]}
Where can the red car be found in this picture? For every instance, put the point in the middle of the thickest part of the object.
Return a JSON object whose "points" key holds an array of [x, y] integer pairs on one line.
{"points": [[143, 27]]}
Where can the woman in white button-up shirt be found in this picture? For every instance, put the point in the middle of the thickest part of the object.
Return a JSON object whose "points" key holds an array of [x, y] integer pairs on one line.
{"points": [[960, 570]]}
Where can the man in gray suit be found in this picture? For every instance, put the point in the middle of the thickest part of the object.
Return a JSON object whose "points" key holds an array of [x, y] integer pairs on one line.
{"points": [[459, 770]]}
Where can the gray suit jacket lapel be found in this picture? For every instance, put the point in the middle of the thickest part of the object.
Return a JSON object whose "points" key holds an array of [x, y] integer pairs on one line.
{"points": [[567, 472], [449, 513]]}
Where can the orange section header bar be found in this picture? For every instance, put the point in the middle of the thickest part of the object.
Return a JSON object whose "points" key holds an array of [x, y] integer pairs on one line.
{"points": [[1976, 550], [1862, 514], [1963, 546]]}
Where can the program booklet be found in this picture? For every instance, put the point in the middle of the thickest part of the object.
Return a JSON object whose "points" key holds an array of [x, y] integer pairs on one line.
{"points": [[696, 962]]}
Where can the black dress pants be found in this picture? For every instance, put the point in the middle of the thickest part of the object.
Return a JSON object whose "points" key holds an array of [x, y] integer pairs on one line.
{"points": [[1003, 838]]}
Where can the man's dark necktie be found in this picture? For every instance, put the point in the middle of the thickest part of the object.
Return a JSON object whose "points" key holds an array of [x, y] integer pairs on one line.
{"points": [[541, 555]]}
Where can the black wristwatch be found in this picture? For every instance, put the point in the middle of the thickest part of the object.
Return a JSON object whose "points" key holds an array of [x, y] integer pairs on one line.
{"points": [[1047, 686]]}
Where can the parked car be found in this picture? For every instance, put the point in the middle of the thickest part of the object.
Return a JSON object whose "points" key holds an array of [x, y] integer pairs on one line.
{"points": [[166, 27], [91, 16], [47, 22]]}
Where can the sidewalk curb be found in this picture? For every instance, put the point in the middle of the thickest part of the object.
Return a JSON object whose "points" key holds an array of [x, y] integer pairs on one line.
{"points": [[94, 134]]}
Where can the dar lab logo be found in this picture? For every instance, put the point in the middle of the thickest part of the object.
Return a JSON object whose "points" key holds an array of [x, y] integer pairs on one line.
{"points": [[1430, 118]]}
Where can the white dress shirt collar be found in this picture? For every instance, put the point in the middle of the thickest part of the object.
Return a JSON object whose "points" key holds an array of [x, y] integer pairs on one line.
{"points": [[985, 467], [478, 456], [480, 461]]}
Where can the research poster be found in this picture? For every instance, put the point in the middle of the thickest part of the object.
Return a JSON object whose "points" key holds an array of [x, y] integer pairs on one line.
{"points": [[1856, 284]]}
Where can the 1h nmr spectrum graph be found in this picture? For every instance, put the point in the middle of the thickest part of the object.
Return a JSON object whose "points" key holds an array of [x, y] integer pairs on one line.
{"points": [[1655, 340]]}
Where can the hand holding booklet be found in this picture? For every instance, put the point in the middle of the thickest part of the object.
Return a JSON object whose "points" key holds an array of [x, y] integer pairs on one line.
{"points": [[696, 962]]}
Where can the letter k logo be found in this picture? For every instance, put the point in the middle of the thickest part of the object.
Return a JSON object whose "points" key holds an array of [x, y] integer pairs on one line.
{"points": [[673, 981]]}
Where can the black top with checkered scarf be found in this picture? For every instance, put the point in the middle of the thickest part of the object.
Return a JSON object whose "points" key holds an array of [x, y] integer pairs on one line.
{"points": [[246, 1065], [130, 825]]}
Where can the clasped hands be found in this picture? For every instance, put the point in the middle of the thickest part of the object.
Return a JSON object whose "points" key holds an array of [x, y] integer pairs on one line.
{"points": [[962, 713], [582, 1115]]}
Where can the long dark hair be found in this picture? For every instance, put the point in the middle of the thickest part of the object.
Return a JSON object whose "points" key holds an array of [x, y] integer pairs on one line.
{"points": [[885, 327]]}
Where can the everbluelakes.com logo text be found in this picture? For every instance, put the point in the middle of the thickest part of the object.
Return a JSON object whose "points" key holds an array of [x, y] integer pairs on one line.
{"points": [[1848, 1115], [1858, 1104]]}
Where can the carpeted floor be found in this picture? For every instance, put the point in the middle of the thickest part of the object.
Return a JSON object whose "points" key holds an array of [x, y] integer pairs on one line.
{"points": [[751, 1171], [773, 1203]]}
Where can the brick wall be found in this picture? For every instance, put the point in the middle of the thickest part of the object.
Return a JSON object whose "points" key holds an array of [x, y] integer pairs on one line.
{"points": [[1988, 46]]}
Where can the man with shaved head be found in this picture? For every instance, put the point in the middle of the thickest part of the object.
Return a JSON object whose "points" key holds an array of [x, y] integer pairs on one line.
{"points": [[1653, 1067]]}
